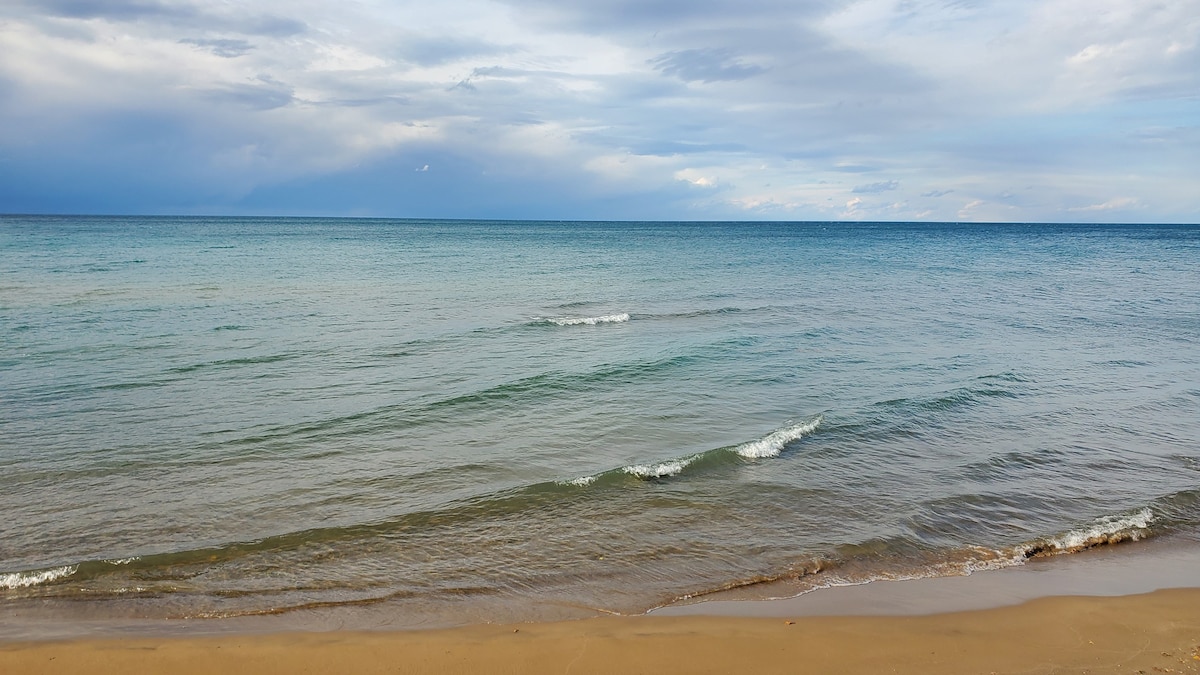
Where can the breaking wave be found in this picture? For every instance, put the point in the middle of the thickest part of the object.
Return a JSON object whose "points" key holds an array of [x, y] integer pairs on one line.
{"points": [[14, 580], [660, 470], [530, 496], [1104, 531], [853, 565], [586, 320], [768, 446], [773, 443]]}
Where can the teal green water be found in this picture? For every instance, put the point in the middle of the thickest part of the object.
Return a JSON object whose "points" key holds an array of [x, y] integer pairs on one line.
{"points": [[220, 417]]}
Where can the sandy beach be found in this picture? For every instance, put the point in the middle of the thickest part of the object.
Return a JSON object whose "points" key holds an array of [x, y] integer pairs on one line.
{"points": [[1126, 609], [1151, 633]]}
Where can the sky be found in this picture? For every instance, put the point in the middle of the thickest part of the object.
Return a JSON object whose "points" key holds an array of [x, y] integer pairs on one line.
{"points": [[940, 110]]}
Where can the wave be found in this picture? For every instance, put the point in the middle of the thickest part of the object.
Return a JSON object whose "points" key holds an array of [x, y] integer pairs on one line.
{"points": [[516, 500], [662, 469], [963, 396], [514, 392], [232, 363], [577, 304], [767, 446], [772, 444], [625, 316], [15, 580], [584, 321], [703, 312], [900, 559], [1104, 531]]}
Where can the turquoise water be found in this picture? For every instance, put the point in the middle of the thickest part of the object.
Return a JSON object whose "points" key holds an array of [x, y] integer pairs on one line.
{"points": [[221, 417]]}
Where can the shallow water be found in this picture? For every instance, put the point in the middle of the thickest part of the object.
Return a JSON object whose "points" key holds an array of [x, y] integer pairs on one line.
{"points": [[221, 417]]}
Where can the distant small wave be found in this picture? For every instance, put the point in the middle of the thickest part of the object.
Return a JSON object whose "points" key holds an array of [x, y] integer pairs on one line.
{"points": [[231, 363], [576, 304], [1000, 387], [14, 580], [586, 320], [694, 314]]}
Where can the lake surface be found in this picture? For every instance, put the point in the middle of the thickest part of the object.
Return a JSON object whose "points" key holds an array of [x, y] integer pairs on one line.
{"points": [[460, 420]]}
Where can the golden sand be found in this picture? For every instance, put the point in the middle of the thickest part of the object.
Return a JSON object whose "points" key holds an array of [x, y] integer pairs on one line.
{"points": [[1153, 633]]}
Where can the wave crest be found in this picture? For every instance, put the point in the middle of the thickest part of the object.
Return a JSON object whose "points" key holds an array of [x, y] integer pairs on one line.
{"points": [[773, 443], [14, 580], [660, 470], [1104, 531], [588, 320]]}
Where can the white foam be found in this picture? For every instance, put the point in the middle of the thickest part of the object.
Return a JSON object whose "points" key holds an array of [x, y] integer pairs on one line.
{"points": [[1104, 530], [985, 560], [582, 481], [772, 444], [14, 580], [660, 470], [590, 320], [123, 561]]}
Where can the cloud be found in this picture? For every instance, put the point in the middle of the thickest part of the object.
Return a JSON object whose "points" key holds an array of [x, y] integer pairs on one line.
{"points": [[114, 10], [640, 16], [872, 188], [685, 109], [184, 15], [1110, 205], [696, 177], [265, 94], [967, 211], [225, 48], [426, 50], [704, 65]]}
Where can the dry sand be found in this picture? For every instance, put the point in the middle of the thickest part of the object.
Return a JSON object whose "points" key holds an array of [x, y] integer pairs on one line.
{"points": [[1153, 633]]}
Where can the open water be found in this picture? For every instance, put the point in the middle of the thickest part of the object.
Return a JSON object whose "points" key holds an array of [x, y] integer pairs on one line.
{"points": [[464, 420]]}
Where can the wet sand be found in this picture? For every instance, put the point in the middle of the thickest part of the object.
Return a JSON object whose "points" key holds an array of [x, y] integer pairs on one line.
{"points": [[1125, 569], [1152, 633], [1107, 617]]}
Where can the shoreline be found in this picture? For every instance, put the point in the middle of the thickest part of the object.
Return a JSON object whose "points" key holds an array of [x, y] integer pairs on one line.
{"points": [[1127, 568], [1155, 632], [1121, 609]]}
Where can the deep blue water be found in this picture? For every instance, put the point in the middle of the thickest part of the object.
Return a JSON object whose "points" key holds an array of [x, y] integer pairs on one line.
{"points": [[215, 417]]}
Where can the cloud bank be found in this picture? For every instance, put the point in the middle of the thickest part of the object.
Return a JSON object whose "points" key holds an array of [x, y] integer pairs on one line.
{"points": [[1057, 110]]}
